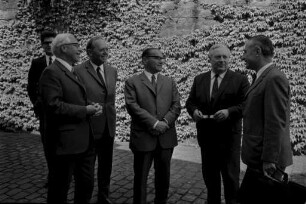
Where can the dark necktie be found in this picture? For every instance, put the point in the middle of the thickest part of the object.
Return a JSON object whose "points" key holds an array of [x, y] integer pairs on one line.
{"points": [[50, 60], [153, 81], [100, 75], [74, 74], [215, 88]]}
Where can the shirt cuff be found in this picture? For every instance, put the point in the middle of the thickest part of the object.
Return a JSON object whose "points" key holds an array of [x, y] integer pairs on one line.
{"points": [[155, 124]]}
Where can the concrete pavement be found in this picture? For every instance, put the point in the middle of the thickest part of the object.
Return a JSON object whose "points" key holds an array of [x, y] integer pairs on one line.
{"points": [[23, 173]]}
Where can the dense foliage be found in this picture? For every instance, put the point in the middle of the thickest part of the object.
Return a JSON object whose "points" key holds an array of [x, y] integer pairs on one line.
{"points": [[130, 28]]}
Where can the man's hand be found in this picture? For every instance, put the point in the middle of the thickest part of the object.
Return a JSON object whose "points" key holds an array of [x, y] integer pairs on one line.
{"points": [[161, 127], [99, 109], [268, 169], [93, 109], [197, 115], [221, 115]]}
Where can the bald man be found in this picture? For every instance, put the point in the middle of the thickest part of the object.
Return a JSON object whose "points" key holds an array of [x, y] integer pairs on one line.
{"points": [[100, 80], [215, 104]]}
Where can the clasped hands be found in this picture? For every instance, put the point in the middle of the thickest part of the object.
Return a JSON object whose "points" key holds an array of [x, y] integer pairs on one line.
{"points": [[160, 128], [94, 109], [219, 116]]}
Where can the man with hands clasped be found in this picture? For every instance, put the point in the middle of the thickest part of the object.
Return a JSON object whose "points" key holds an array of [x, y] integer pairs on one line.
{"points": [[215, 103], [153, 102]]}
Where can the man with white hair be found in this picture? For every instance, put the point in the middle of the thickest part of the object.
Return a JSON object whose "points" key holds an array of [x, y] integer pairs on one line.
{"points": [[68, 133], [215, 103]]}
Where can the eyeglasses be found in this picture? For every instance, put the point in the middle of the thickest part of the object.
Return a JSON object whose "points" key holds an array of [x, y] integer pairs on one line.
{"points": [[156, 57], [73, 44]]}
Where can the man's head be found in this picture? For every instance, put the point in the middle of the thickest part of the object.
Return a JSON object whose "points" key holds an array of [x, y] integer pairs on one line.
{"points": [[97, 50], [219, 56], [258, 51], [66, 47], [152, 59], [46, 39]]}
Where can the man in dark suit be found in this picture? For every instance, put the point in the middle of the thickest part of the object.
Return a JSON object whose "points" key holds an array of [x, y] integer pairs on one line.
{"points": [[266, 136], [37, 67], [215, 103], [153, 102], [100, 79], [67, 128]]}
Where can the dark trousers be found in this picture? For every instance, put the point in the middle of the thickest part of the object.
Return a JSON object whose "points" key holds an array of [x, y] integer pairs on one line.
{"points": [[142, 165], [43, 141], [104, 155], [216, 162], [61, 169]]}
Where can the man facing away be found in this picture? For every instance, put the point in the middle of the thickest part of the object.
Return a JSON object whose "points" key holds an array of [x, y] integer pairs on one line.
{"points": [[153, 102], [100, 79], [215, 103], [67, 128], [37, 67], [266, 141]]}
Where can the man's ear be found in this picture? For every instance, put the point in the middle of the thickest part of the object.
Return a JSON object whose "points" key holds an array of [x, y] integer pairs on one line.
{"points": [[258, 50]]}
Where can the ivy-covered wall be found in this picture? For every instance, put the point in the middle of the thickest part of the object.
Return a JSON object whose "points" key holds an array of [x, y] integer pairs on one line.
{"points": [[129, 28]]}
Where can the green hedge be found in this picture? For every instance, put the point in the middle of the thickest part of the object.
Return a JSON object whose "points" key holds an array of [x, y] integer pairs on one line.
{"points": [[130, 28]]}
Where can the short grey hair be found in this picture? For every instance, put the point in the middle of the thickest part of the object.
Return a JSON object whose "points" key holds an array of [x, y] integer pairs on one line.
{"points": [[216, 46], [59, 40]]}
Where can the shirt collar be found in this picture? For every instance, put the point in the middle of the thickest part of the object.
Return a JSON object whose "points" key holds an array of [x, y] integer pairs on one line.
{"points": [[261, 70], [149, 75], [212, 75], [96, 66], [64, 63]]}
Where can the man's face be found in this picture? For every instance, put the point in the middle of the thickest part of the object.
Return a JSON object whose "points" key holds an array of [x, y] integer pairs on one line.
{"points": [[99, 52], [219, 59], [72, 50], [153, 63], [46, 45], [249, 56]]}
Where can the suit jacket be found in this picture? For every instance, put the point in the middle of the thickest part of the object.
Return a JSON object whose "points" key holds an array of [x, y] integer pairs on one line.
{"points": [[230, 96], [99, 92], [266, 121], [147, 106], [64, 99], [37, 67]]}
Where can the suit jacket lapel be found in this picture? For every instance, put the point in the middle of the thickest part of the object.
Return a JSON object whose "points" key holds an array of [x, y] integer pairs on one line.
{"points": [[259, 80], [206, 86], [159, 81], [93, 73], [69, 74], [106, 74], [146, 81], [224, 83]]}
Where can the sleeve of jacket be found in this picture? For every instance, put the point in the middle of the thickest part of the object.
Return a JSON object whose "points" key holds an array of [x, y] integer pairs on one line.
{"points": [[133, 108], [52, 97], [175, 108], [32, 83], [235, 112], [191, 103], [276, 103]]}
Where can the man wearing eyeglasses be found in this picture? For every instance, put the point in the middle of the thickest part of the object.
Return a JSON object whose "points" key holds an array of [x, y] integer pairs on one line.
{"points": [[37, 67], [67, 127], [100, 79], [153, 102]]}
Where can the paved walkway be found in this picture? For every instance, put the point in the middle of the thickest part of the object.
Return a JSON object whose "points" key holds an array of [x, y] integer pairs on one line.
{"points": [[23, 173]]}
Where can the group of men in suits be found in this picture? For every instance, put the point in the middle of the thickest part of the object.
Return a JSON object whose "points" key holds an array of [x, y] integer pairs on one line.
{"points": [[79, 120], [78, 108]]}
